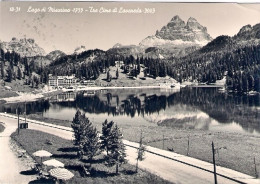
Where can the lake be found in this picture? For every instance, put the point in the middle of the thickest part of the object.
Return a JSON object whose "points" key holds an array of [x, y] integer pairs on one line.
{"points": [[189, 108]]}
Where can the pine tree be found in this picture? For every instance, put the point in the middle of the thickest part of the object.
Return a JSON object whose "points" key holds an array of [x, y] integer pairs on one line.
{"points": [[106, 135], [145, 72], [76, 122], [89, 145], [117, 155], [257, 83], [9, 76], [138, 67], [19, 73], [3, 70], [108, 76], [14, 75], [36, 81], [245, 84], [117, 73], [2, 55], [85, 136], [251, 82], [32, 82], [26, 66]]}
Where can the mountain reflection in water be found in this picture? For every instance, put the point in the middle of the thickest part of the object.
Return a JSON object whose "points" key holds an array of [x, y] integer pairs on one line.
{"points": [[190, 108]]}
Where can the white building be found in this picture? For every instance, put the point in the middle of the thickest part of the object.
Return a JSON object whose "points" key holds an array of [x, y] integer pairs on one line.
{"points": [[62, 81], [119, 63], [89, 83]]}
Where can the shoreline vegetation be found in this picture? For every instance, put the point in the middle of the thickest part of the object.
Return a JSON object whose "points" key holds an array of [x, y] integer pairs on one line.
{"points": [[12, 96], [176, 140], [18, 91], [16, 97], [64, 151]]}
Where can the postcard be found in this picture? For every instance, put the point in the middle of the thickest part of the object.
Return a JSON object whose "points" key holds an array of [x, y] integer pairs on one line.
{"points": [[129, 92]]}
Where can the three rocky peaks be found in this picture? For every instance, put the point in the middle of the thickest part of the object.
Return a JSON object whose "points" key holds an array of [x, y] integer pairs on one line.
{"points": [[177, 32], [176, 29]]}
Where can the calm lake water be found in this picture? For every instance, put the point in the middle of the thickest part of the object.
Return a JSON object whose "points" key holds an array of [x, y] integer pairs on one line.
{"points": [[189, 108]]}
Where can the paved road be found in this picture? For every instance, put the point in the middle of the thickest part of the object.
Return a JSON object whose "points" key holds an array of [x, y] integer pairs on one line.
{"points": [[169, 169], [10, 164]]}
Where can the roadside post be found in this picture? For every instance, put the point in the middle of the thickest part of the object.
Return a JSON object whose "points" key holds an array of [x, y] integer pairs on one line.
{"points": [[256, 173], [25, 113], [214, 164], [188, 150], [163, 141], [18, 122]]}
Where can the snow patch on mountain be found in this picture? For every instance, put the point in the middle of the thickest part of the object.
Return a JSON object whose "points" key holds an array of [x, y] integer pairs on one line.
{"points": [[153, 41]]}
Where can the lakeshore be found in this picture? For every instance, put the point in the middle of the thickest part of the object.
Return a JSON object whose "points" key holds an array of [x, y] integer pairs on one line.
{"points": [[11, 96], [158, 163], [16, 91], [200, 143]]}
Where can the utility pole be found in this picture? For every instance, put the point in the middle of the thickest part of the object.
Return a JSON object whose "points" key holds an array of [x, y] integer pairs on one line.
{"points": [[214, 164], [188, 150], [18, 121], [140, 152], [256, 173], [163, 141], [25, 113]]}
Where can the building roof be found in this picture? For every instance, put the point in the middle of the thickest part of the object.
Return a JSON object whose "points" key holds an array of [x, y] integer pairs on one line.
{"points": [[63, 77]]}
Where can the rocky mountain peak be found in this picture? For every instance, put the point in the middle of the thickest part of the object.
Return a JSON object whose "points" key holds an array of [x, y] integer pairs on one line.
{"points": [[80, 49], [24, 47], [14, 39], [117, 45], [176, 18], [193, 24], [177, 29], [176, 23], [248, 32], [54, 55], [176, 38], [191, 19], [245, 29]]}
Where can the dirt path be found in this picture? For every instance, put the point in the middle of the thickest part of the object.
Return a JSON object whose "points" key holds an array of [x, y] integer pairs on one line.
{"points": [[10, 165]]}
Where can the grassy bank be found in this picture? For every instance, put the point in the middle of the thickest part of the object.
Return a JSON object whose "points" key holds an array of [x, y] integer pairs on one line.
{"points": [[235, 151], [15, 86], [52, 93], [124, 80], [64, 151], [2, 128], [6, 93]]}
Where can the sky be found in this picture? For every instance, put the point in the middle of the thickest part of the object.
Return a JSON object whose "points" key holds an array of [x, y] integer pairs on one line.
{"points": [[67, 31]]}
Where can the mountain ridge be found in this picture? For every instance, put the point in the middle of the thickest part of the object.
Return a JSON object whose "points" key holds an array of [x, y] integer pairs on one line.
{"points": [[24, 47], [175, 39]]}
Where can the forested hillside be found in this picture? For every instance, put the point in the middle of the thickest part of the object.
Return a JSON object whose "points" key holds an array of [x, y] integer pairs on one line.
{"points": [[29, 69], [88, 64], [237, 59], [241, 66]]}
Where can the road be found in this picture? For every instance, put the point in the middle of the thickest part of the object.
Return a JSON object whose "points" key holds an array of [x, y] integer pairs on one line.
{"points": [[10, 165], [165, 164]]}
